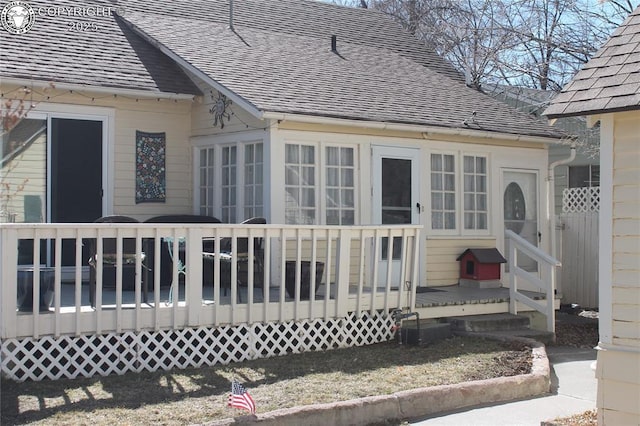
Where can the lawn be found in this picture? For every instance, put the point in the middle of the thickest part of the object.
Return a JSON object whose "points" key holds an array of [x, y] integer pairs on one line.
{"points": [[200, 395]]}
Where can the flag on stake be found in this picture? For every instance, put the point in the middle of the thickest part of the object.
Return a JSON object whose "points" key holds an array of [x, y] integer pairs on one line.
{"points": [[240, 398]]}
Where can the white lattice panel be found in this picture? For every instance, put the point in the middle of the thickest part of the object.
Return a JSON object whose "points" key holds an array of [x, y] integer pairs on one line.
{"points": [[581, 200], [101, 355]]}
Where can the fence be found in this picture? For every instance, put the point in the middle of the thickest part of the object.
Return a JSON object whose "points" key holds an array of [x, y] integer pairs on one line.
{"points": [[579, 246]]}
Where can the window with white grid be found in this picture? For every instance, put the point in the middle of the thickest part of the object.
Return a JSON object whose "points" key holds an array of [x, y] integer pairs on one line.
{"points": [[443, 192], [475, 192], [207, 179], [228, 185], [253, 180], [340, 186], [300, 184]]}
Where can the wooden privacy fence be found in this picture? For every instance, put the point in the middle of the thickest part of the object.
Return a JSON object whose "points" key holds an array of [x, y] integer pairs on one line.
{"points": [[579, 246]]}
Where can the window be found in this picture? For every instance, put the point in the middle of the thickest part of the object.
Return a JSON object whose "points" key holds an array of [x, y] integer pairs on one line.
{"points": [[300, 184], [207, 167], [463, 206], [229, 186], [584, 176], [475, 192], [443, 191], [231, 180], [253, 180], [340, 186], [320, 184]]}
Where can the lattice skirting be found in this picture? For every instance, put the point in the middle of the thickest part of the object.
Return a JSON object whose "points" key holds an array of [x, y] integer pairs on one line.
{"points": [[101, 355]]}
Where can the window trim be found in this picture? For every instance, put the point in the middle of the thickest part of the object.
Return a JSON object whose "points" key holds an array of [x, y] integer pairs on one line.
{"points": [[459, 229], [320, 175], [218, 142]]}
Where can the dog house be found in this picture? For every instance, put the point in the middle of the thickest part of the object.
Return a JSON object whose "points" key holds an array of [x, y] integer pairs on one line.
{"points": [[480, 267]]}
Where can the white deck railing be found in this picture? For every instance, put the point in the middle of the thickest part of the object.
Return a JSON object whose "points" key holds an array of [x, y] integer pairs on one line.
{"points": [[351, 256], [543, 279]]}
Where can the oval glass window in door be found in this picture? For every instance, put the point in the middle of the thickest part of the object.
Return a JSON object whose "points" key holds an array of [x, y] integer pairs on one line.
{"points": [[515, 208]]}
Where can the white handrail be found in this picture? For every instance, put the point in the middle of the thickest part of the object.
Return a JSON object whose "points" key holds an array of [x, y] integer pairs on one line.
{"points": [[347, 254], [545, 277]]}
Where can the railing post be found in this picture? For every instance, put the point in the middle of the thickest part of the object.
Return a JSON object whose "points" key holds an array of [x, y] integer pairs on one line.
{"points": [[343, 266], [512, 261], [549, 273], [8, 288], [193, 278]]}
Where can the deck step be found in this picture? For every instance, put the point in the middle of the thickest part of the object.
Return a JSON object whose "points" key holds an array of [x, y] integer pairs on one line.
{"points": [[489, 322], [430, 332]]}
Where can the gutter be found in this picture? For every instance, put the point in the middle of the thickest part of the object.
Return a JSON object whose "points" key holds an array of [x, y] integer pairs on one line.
{"points": [[426, 131], [97, 89], [551, 201]]}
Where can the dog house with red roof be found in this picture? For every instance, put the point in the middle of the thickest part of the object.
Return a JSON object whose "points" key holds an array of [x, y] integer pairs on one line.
{"points": [[480, 267]]}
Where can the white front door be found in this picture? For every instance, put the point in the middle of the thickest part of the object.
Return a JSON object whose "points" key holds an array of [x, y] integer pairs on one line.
{"points": [[395, 200], [520, 207]]}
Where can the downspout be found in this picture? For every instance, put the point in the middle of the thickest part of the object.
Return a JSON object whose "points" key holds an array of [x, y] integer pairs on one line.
{"points": [[551, 202]]}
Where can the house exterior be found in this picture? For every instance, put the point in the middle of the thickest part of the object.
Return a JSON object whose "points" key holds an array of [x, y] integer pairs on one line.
{"points": [[337, 129], [607, 90], [583, 171], [332, 123]]}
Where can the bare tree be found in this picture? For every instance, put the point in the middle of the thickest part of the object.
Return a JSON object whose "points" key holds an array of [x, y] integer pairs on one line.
{"points": [[534, 43]]}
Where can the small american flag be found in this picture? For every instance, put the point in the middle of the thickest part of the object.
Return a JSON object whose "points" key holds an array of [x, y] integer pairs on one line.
{"points": [[240, 398]]}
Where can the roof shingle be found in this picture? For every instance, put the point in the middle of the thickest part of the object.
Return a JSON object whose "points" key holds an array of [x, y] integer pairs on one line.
{"points": [[379, 72], [609, 81], [111, 56]]}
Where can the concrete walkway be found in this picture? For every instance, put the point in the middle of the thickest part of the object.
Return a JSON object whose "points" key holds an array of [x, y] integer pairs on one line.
{"points": [[573, 386]]}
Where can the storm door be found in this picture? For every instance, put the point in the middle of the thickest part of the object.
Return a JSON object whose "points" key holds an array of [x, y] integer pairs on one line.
{"points": [[395, 200]]}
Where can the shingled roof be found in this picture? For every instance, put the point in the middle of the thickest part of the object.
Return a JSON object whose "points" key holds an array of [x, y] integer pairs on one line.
{"points": [[610, 81], [108, 55], [278, 58]]}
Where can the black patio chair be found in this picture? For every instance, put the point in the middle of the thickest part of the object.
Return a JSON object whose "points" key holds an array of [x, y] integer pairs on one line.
{"points": [[242, 254], [109, 259], [167, 257]]}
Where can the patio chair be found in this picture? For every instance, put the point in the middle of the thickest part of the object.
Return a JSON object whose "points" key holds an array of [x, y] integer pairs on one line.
{"points": [[242, 253], [167, 256], [109, 259]]}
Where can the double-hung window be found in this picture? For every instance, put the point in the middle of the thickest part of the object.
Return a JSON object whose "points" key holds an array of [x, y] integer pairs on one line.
{"points": [[253, 185], [320, 184], [231, 179], [207, 179], [459, 207], [229, 185], [475, 192], [340, 186], [443, 191]]}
